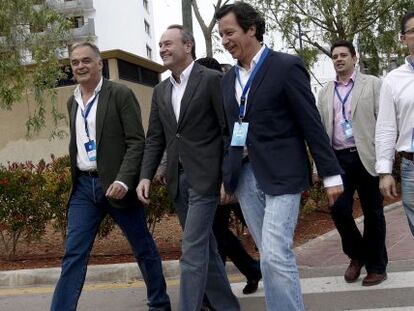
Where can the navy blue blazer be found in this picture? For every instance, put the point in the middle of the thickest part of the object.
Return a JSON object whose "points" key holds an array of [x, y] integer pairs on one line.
{"points": [[282, 115]]}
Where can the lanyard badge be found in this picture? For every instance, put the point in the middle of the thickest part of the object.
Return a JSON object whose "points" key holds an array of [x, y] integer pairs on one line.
{"points": [[90, 145], [346, 124], [240, 129]]}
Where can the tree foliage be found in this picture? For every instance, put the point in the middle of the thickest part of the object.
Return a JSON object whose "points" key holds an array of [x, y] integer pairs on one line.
{"points": [[32, 35], [372, 24], [207, 29]]}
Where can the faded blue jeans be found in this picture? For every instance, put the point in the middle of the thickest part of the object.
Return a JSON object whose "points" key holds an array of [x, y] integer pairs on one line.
{"points": [[271, 221], [407, 188], [87, 208]]}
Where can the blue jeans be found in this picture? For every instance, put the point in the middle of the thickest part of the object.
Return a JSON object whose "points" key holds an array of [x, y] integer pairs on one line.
{"points": [[202, 270], [87, 208], [271, 221], [407, 187]]}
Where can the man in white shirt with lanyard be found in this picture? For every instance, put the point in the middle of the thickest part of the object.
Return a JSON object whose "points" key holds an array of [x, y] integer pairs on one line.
{"points": [[395, 125], [271, 112], [348, 107], [106, 147]]}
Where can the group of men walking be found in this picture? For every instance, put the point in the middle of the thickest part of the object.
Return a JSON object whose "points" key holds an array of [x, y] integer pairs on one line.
{"points": [[247, 134]]}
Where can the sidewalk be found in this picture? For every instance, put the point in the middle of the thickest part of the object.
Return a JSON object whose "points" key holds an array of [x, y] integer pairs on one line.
{"points": [[321, 252], [326, 250]]}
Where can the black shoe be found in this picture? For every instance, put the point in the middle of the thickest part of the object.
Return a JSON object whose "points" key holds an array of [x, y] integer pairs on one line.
{"points": [[250, 287]]}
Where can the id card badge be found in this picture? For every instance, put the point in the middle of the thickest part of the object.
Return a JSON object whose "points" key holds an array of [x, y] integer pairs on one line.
{"points": [[347, 129], [90, 148], [239, 134]]}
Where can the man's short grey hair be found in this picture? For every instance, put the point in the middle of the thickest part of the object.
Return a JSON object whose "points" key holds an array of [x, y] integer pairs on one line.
{"points": [[94, 48], [186, 36]]}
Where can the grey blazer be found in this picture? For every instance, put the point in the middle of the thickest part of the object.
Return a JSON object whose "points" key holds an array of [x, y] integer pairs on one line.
{"points": [[364, 111], [196, 140]]}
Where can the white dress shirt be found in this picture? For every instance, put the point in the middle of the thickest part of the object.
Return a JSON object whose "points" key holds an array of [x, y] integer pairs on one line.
{"points": [[395, 124], [82, 159], [178, 89]]}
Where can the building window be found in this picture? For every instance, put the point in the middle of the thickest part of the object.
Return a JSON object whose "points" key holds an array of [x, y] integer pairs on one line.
{"points": [[134, 73], [147, 27], [145, 4], [76, 21], [149, 52]]}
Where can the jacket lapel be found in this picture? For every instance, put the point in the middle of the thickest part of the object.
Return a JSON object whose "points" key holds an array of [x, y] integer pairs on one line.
{"points": [[257, 80], [230, 93], [167, 100], [330, 107], [193, 81], [73, 111], [101, 110], [356, 93]]}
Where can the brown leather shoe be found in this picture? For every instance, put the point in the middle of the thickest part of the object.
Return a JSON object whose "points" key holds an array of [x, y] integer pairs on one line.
{"points": [[374, 279], [353, 271]]}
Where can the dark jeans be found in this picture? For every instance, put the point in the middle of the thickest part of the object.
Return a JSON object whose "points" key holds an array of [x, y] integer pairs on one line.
{"points": [[370, 246], [87, 208], [230, 246]]}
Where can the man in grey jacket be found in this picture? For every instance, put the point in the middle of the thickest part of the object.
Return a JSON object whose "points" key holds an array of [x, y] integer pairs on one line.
{"points": [[348, 107]]}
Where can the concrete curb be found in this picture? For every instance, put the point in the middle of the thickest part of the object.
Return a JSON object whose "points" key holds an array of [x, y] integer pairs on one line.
{"points": [[126, 272]]}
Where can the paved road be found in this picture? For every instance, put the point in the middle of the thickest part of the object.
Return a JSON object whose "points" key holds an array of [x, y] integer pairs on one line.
{"points": [[322, 265], [324, 290]]}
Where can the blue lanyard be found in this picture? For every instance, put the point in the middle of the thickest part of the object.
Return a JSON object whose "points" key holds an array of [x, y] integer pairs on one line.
{"points": [[242, 109], [85, 114], [344, 100], [410, 60]]}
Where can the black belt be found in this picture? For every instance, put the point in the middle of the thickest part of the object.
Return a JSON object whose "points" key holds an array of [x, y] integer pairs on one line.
{"points": [[93, 174], [346, 151], [407, 155]]}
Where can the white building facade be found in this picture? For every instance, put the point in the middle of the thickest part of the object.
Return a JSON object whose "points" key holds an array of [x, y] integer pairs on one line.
{"points": [[126, 25]]}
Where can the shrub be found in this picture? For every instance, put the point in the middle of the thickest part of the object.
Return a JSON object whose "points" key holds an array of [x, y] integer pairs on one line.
{"points": [[160, 204], [23, 210]]}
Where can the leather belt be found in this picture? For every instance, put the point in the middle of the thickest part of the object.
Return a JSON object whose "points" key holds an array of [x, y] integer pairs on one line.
{"points": [[93, 174], [347, 150], [407, 155]]}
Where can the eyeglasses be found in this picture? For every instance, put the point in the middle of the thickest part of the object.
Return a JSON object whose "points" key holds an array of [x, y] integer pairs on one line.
{"points": [[409, 31]]}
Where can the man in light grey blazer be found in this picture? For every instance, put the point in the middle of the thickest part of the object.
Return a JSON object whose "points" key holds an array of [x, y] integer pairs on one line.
{"points": [[348, 107], [187, 120]]}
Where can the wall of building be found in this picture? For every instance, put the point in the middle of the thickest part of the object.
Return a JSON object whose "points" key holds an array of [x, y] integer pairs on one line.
{"points": [[16, 147], [120, 25]]}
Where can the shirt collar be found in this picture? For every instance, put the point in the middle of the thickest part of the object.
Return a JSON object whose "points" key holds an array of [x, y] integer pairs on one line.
{"points": [[184, 75], [351, 78], [255, 59], [77, 93]]}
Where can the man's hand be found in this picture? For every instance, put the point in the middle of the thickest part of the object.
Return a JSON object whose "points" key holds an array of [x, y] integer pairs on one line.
{"points": [[143, 189], [161, 178], [116, 191], [387, 186], [315, 178], [334, 193], [226, 198]]}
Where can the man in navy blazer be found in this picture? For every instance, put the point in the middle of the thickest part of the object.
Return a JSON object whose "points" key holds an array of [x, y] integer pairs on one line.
{"points": [[271, 112]]}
